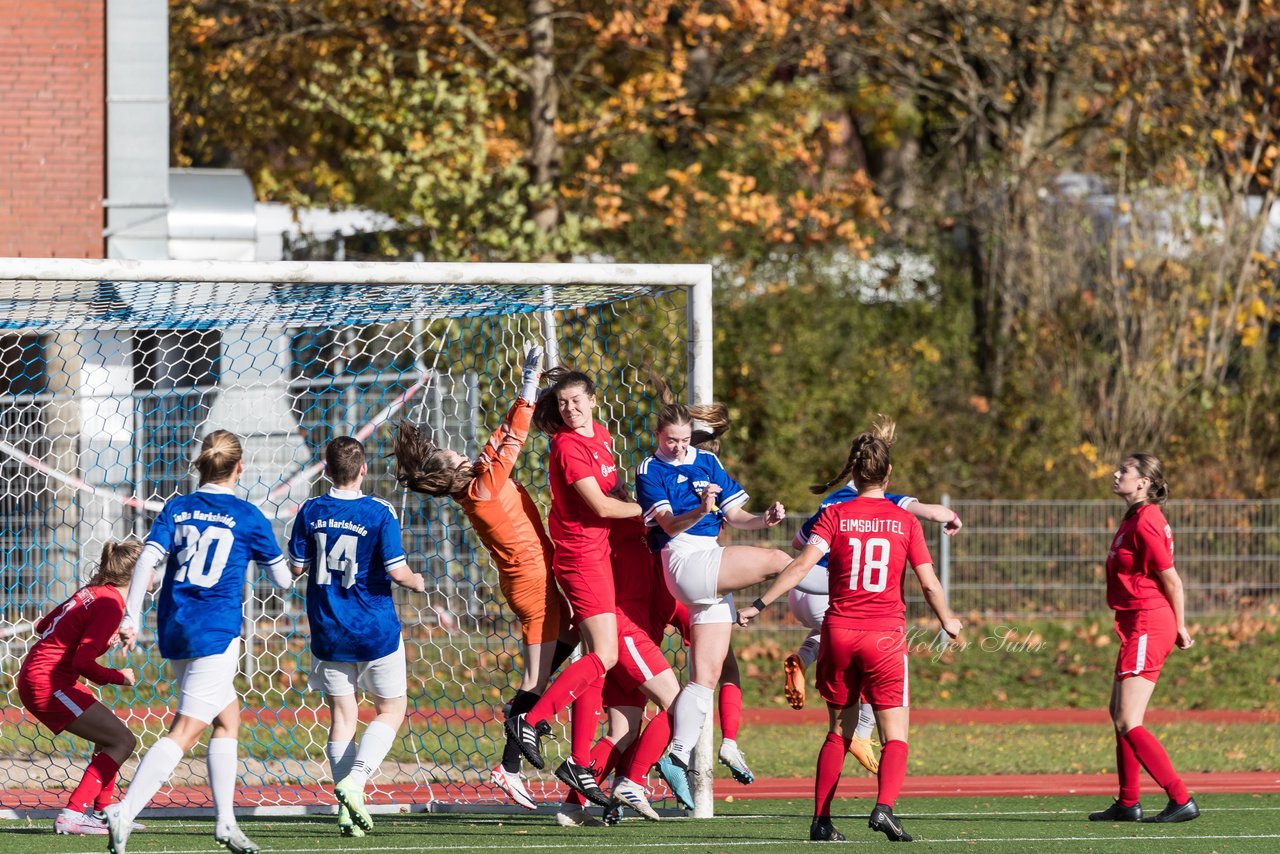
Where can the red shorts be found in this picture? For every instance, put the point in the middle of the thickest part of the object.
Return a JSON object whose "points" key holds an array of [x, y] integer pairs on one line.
{"points": [[680, 622], [1146, 639], [55, 706], [866, 662], [587, 584], [639, 660]]}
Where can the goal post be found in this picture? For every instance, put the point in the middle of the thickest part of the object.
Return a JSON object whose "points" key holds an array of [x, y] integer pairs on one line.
{"points": [[112, 371]]}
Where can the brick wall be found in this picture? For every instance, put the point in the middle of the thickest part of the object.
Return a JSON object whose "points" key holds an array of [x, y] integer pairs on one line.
{"points": [[52, 127]]}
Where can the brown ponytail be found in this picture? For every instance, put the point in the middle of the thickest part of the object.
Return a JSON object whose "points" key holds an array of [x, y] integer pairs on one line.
{"points": [[219, 453], [1148, 466], [708, 421], [868, 462], [115, 566], [423, 467]]}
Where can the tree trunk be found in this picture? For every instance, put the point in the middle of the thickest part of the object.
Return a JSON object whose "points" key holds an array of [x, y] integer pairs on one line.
{"points": [[544, 107]]}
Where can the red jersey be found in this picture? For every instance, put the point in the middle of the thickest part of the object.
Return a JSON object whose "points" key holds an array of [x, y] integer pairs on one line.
{"points": [[1141, 550], [575, 527], [637, 575], [868, 544], [72, 637]]}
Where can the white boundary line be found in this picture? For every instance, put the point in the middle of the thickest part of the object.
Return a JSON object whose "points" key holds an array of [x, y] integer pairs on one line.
{"points": [[716, 844]]}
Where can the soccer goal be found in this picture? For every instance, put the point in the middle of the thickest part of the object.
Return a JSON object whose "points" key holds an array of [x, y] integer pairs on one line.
{"points": [[112, 371]]}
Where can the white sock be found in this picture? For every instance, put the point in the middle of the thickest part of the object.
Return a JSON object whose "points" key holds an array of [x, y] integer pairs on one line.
{"points": [[154, 771], [866, 722], [688, 717], [374, 745], [341, 755], [808, 651], [223, 765]]}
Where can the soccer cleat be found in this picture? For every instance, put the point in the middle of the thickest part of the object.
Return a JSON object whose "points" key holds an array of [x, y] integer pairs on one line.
{"points": [[234, 840], [731, 757], [72, 823], [529, 738], [629, 793], [513, 784], [865, 752], [676, 775], [1174, 812], [793, 668], [575, 815], [822, 830], [351, 796], [581, 779], [346, 827], [612, 816], [1118, 812], [117, 830], [101, 816], [883, 820]]}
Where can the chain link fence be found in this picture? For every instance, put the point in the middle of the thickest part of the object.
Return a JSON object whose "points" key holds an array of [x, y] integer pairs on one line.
{"points": [[1024, 559]]}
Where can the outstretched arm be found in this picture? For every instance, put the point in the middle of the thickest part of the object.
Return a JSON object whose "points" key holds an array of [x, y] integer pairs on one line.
{"points": [[603, 505], [949, 518]]}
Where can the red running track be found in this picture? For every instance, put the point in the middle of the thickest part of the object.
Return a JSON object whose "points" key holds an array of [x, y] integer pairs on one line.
{"points": [[1009, 785], [1013, 717]]}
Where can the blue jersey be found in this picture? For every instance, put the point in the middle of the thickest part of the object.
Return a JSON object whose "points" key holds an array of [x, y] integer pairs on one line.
{"points": [[816, 581], [677, 487], [210, 536], [349, 542]]}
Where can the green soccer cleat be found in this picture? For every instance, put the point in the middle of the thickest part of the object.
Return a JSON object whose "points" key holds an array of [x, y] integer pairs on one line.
{"points": [[346, 827], [351, 796]]}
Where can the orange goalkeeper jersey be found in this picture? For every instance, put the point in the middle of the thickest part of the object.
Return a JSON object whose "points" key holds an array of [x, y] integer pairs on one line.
{"points": [[501, 511]]}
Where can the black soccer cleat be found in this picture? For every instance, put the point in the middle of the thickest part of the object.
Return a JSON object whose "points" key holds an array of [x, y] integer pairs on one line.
{"points": [[528, 737], [612, 816], [822, 830], [1174, 812], [1118, 812], [583, 781], [883, 820]]}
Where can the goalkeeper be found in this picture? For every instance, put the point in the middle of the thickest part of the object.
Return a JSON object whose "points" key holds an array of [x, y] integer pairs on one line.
{"points": [[508, 523]]}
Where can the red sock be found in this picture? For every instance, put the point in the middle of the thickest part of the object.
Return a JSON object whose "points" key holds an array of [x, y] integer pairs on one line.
{"points": [[1154, 758], [107, 796], [830, 764], [604, 759], [101, 771], [584, 723], [572, 682], [893, 771], [649, 747], [1129, 771], [730, 710]]}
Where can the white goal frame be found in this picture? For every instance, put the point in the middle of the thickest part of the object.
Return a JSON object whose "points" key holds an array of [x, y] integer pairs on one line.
{"points": [[18, 276]]}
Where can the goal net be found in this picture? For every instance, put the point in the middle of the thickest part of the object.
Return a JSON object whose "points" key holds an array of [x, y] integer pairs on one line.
{"points": [[112, 372]]}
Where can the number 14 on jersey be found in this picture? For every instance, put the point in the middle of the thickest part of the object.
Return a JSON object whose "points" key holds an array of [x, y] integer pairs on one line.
{"points": [[341, 559]]}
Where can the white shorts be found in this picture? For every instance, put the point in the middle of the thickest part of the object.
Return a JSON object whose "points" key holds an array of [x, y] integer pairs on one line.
{"points": [[384, 677], [206, 685], [809, 608], [691, 567]]}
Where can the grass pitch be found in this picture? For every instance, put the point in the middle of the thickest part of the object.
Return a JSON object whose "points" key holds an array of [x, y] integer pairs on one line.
{"points": [[1230, 824]]}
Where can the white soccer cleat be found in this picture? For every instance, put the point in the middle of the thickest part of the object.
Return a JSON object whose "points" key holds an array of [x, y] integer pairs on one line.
{"points": [[575, 815], [731, 757], [72, 823], [117, 830], [234, 840], [101, 816], [629, 793], [513, 785]]}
